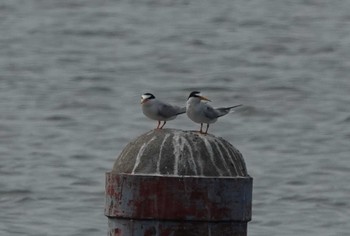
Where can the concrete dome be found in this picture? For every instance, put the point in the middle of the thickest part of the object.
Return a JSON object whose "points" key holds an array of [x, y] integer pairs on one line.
{"points": [[180, 153]]}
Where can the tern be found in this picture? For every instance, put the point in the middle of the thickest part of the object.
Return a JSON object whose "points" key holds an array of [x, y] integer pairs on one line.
{"points": [[158, 110], [202, 113]]}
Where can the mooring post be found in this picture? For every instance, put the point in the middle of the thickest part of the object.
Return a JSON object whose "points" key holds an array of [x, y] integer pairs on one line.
{"points": [[178, 183]]}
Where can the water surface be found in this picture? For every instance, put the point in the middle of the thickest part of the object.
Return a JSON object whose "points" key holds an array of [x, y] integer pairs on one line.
{"points": [[71, 76]]}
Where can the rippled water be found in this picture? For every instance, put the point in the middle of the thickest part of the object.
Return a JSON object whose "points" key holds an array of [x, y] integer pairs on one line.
{"points": [[71, 76]]}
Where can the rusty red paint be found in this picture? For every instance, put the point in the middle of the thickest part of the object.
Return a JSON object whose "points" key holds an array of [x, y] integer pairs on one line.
{"points": [[166, 231], [176, 228], [173, 203], [150, 232], [111, 183], [117, 232], [178, 198]]}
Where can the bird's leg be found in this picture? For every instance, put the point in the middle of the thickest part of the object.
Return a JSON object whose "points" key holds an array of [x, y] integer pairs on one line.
{"points": [[206, 131], [158, 124], [200, 131], [162, 125]]}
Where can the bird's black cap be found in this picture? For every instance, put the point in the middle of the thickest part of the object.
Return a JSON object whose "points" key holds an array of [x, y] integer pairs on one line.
{"points": [[150, 95], [194, 94]]}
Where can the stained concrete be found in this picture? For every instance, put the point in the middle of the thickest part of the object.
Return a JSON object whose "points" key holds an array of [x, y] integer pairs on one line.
{"points": [[180, 153]]}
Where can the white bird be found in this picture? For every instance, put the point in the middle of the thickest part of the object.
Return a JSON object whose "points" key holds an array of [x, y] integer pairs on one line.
{"points": [[158, 110], [201, 112]]}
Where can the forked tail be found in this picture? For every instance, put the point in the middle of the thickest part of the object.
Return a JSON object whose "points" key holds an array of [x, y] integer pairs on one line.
{"points": [[225, 110]]}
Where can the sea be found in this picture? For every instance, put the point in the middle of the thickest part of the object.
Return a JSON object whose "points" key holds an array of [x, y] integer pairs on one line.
{"points": [[72, 74]]}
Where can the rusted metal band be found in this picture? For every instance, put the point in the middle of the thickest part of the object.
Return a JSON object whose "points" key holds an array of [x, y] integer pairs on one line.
{"points": [[124, 227], [178, 197]]}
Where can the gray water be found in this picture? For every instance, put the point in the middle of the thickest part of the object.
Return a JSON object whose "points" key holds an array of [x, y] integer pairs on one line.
{"points": [[71, 76]]}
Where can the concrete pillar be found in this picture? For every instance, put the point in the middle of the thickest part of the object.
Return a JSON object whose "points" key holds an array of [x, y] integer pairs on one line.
{"points": [[178, 183]]}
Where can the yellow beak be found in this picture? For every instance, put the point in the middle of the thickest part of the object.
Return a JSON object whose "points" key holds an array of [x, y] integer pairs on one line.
{"points": [[204, 98]]}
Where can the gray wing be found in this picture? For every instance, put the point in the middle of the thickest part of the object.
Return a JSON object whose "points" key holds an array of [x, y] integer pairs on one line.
{"points": [[167, 110], [210, 112]]}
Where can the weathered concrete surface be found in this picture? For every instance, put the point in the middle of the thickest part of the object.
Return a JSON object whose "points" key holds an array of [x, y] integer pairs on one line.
{"points": [[173, 183], [178, 198], [177, 152]]}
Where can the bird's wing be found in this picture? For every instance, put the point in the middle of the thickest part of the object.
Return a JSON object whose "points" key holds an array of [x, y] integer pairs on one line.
{"points": [[210, 112], [167, 110]]}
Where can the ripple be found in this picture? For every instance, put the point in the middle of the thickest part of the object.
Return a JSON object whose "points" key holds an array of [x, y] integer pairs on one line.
{"points": [[58, 118], [90, 78], [95, 33], [82, 157], [347, 119], [16, 192], [297, 183], [96, 89], [73, 105], [85, 182]]}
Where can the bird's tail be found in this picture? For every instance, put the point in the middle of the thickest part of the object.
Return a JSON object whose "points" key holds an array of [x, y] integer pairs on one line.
{"points": [[181, 110], [225, 110], [234, 106]]}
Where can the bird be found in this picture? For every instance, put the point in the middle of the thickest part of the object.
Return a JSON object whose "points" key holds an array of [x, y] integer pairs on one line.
{"points": [[158, 110], [201, 112]]}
